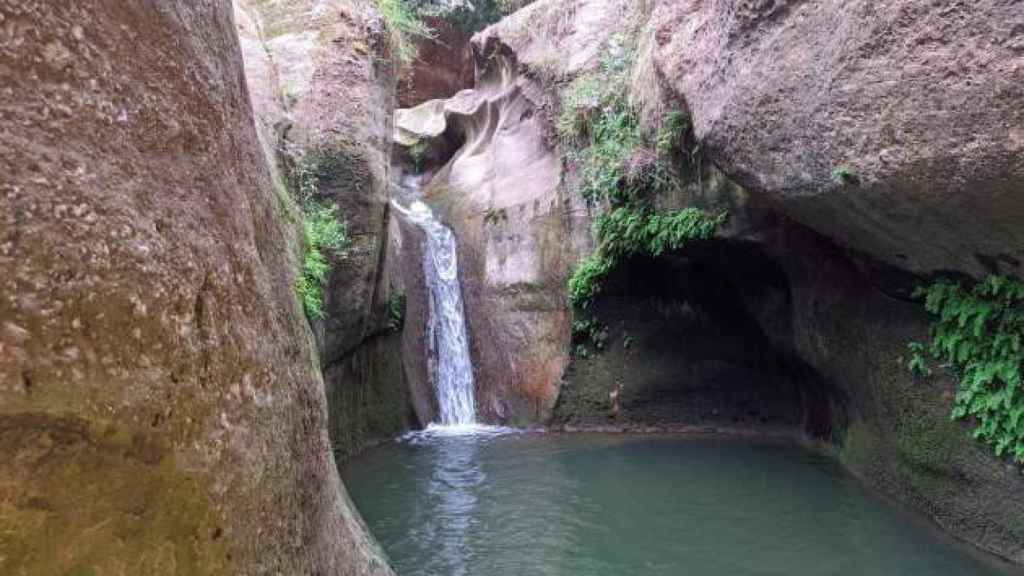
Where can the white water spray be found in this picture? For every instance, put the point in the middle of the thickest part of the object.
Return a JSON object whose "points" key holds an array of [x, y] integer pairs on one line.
{"points": [[447, 344]]}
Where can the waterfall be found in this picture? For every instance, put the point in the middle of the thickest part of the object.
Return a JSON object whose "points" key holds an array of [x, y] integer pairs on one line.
{"points": [[451, 369]]}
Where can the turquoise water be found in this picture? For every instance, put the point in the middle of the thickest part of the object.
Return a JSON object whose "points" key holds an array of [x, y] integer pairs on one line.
{"points": [[598, 505]]}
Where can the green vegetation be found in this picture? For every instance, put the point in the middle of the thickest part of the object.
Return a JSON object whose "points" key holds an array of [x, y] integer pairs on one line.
{"points": [[624, 170], [469, 16], [978, 332], [670, 134], [495, 216], [844, 175], [324, 234], [627, 231], [589, 332], [628, 341], [396, 311], [406, 27], [585, 282], [405, 19]]}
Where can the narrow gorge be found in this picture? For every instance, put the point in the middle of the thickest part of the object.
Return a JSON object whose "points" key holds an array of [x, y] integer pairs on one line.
{"points": [[489, 287]]}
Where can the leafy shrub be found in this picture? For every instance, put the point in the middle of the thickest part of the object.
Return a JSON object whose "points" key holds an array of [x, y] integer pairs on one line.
{"points": [[978, 331], [581, 105], [324, 234], [626, 231], [604, 164]]}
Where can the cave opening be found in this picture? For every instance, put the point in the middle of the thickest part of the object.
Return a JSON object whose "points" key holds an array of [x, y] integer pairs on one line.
{"points": [[700, 337]]}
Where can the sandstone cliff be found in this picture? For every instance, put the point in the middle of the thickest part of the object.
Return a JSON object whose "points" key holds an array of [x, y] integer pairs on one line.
{"points": [[160, 407], [322, 77]]}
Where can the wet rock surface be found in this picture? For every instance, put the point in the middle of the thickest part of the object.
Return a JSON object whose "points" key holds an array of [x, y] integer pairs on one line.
{"points": [[499, 193]]}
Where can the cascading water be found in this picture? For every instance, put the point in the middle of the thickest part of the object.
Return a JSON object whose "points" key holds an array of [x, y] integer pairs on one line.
{"points": [[448, 348]]}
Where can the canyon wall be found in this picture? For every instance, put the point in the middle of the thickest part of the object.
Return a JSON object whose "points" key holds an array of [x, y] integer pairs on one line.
{"points": [[323, 80], [160, 407], [855, 150]]}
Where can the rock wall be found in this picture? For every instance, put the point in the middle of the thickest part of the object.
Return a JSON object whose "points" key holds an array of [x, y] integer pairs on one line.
{"points": [[855, 148], [919, 102], [499, 193], [323, 83], [442, 67], [848, 320], [160, 408]]}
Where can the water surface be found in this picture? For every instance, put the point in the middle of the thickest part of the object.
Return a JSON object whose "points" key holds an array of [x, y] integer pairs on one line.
{"points": [[596, 505]]}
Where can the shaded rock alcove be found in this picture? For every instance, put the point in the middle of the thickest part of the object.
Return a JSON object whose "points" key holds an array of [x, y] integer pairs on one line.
{"points": [[687, 339]]}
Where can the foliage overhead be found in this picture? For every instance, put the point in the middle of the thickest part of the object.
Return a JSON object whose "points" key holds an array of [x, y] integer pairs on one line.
{"points": [[470, 16], [623, 171]]}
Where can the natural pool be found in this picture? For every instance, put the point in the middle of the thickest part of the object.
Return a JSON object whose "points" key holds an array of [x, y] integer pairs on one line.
{"points": [[529, 504]]}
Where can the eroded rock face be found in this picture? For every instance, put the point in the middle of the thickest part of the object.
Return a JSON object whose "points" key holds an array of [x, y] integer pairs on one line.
{"points": [[160, 412], [262, 79], [323, 87], [499, 193], [919, 102], [443, 65]]}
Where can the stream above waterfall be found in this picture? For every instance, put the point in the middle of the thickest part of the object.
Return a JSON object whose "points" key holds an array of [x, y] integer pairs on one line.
{"points": [[520, 504]]}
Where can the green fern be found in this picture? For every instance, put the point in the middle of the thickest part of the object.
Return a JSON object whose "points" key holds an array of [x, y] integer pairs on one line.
{"points": [[585, 282], [396, 311], [979, 332]]}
